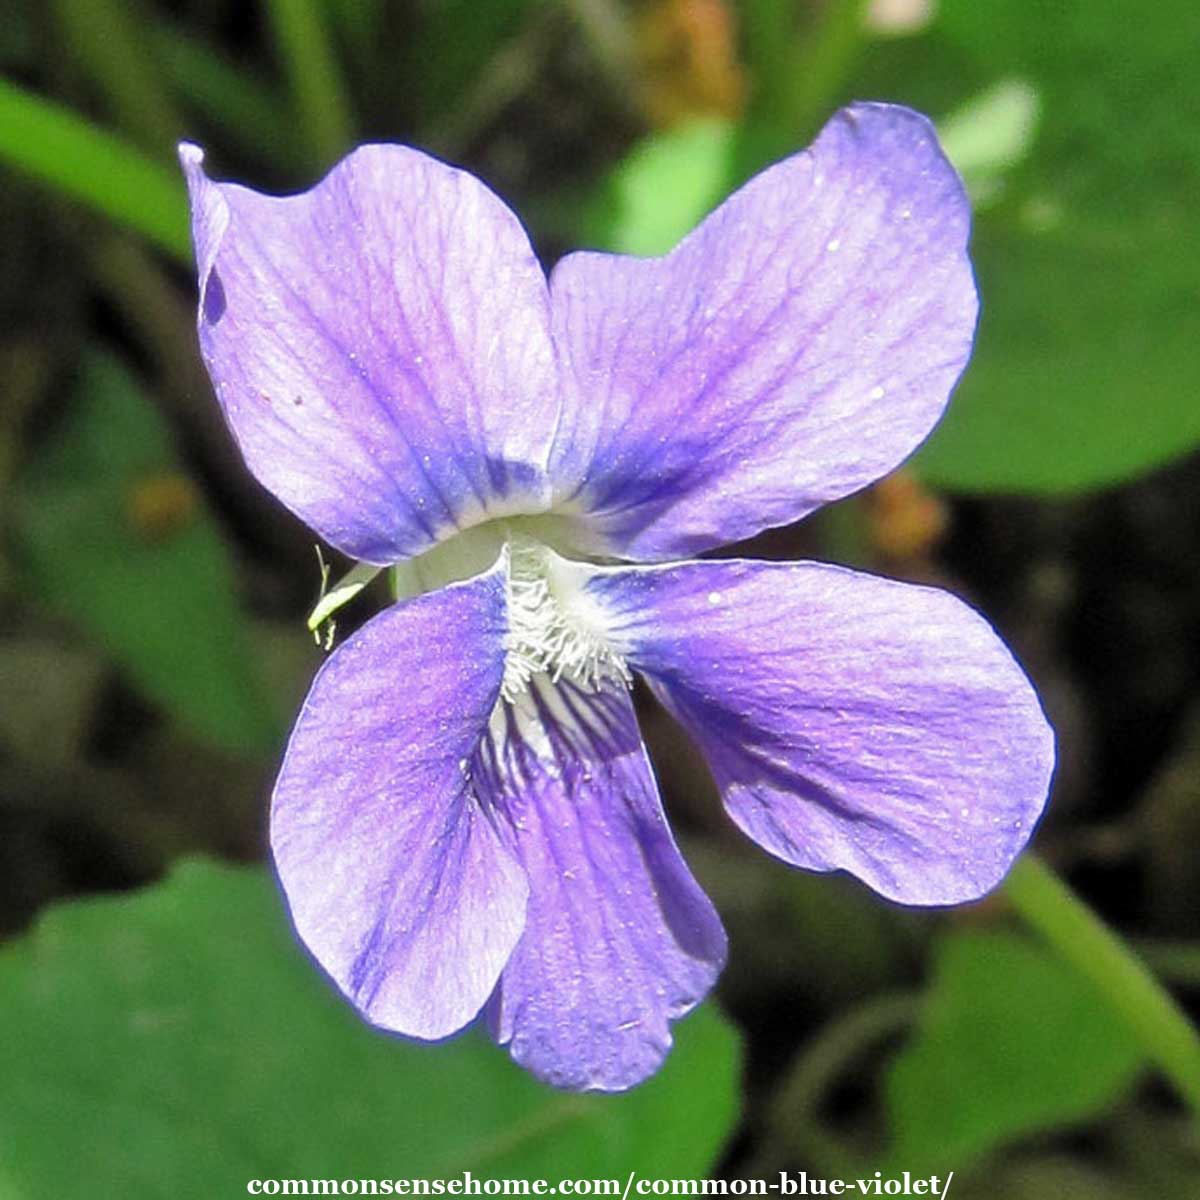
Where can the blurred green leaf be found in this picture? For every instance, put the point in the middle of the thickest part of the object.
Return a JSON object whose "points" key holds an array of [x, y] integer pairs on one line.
{"points": [[990, 135], [178, 1041], [116, 536], [1011, 1041], [667, 184], [60, 148], [1089, 345]]}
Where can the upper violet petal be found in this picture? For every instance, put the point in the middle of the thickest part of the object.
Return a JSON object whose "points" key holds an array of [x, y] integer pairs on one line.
{"points": [[396, 878], [796, 346], [380, 347], [620, 940], [849, 721]]}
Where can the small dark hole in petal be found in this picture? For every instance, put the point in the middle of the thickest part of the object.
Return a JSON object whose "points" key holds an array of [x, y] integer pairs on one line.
{"points": [[214, 298]]}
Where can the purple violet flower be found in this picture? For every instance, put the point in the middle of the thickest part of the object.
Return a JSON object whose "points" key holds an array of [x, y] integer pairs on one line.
{"points": [[466, 820]]}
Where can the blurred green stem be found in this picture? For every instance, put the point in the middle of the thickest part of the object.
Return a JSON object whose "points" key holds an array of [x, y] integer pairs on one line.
{"points": [[61, 149], [797, 75], [360, 23], [318, 91], [1087, 944], [107, 40], [510, 71]]}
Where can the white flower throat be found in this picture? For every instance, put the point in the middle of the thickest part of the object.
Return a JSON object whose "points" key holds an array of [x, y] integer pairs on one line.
{"points": [[555, 629]]}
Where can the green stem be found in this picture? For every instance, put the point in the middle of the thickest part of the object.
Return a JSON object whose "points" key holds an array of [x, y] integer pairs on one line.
{"points": [[359, 22], [61, 149], [1084, 941], [318, 92], [813, 85], [798, 76], [108, 40]]}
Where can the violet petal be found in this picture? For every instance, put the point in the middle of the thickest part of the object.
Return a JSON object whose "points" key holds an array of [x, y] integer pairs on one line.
{"points": [[849, 721], [799, 344], [380, 347], [397, 880], [619, 940]]}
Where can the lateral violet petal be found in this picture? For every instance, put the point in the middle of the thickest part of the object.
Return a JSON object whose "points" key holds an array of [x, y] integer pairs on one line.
{"points": [[796, 346], [850, 722], [619, 941], [397, 880], [380, 347]]}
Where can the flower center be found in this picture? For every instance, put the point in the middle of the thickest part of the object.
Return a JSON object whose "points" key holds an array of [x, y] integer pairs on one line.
{"points": [[554, 628]]}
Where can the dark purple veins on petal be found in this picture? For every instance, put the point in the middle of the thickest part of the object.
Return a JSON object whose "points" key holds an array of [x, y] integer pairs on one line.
{"points": [[619, 939]]}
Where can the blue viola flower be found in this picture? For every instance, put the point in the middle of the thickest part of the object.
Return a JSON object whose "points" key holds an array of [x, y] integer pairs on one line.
{"points": [[466, 821]]}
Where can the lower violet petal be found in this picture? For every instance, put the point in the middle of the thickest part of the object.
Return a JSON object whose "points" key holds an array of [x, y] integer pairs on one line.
{"points": [[397, 880], [850, 722], [619, 940]]}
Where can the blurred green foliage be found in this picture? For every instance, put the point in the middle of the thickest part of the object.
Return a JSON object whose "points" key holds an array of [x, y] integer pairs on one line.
{"points": [[1089, 344], [1009, 1041], [691, 165], [1088, 347], [176, 1040], [180, 1044], [115, 533], [94, 165]]}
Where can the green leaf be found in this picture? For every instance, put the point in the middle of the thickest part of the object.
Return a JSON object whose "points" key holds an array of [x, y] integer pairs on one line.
{"points": [[663, 188], [990, 135], [61, 149], [1089, 344], [179, 1042], [116, 536], [1011, 1042]]}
